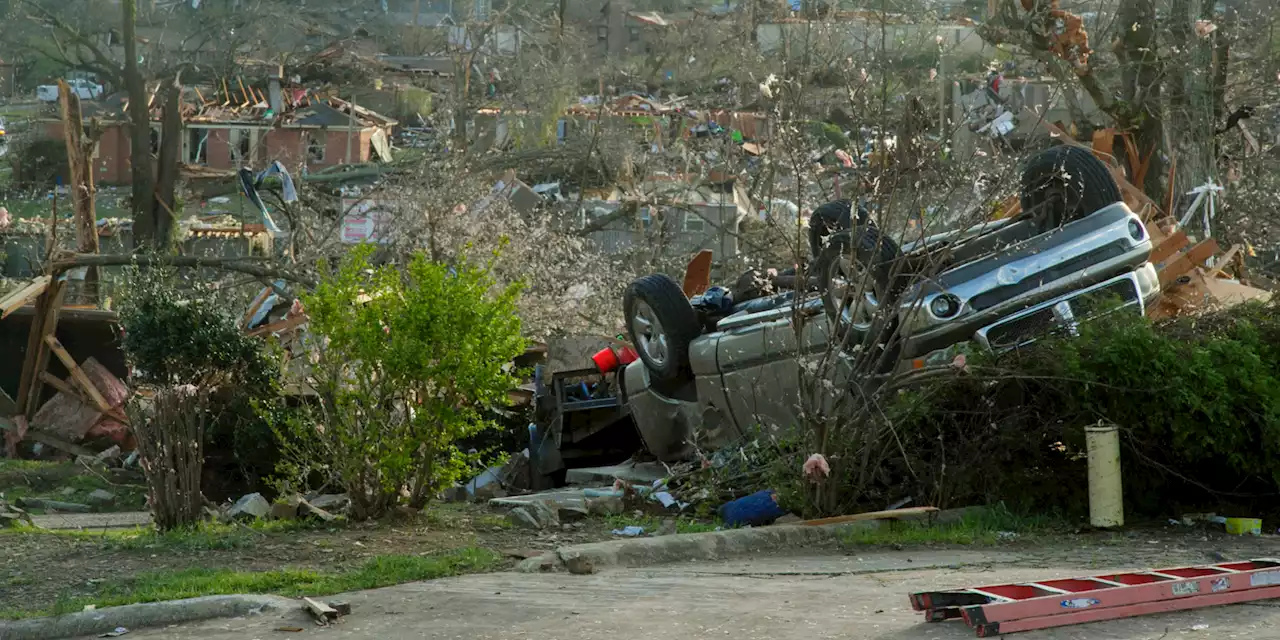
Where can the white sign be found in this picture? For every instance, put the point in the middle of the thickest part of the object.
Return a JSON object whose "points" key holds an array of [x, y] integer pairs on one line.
{"points": [[364, 221]]}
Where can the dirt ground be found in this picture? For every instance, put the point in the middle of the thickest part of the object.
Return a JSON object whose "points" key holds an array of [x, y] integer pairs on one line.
{"points": [[39, 567], [858, 594]]}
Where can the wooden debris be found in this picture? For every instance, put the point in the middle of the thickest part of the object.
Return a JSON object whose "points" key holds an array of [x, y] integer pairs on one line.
{"points": [[47, 440], [1169, 248], [871, 515], [16, 299], [43, 323], [1221, 262], [78, 375], [71, 416], [322, 612], [53, 505], [1184, 263], [307, 509]]}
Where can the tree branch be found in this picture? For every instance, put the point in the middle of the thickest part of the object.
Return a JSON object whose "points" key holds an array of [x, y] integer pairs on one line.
{"points": [[236, 264]]}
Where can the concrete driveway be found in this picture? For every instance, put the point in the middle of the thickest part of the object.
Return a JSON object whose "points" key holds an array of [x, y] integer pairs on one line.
{"points": [[777, 598]]}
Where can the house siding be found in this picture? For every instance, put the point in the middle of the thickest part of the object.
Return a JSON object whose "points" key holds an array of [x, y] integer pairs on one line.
{"points": [[112, 163]]}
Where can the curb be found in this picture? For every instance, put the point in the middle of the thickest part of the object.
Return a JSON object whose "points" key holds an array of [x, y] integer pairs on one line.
{"points": [[712, 545], [137, 616]]}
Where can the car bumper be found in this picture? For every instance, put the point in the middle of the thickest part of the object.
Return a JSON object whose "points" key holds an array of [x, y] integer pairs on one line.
{"points": [[1130, 292]]}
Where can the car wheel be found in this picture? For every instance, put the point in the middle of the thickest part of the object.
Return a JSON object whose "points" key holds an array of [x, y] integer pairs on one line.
{"points": [[855, 270], [834, 217], [1064, 184], [661, 324]]}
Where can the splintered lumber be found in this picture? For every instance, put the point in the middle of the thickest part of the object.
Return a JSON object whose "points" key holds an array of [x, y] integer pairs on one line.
{"points": [[1221, 262], [43, 323], [48, 440], [1185, 263], [1169, 248], [16, 299], [320, 610], [870, 515], [78, 375]]}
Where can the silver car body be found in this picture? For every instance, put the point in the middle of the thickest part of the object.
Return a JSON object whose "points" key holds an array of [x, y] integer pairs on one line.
{"points": [[747, 373]]}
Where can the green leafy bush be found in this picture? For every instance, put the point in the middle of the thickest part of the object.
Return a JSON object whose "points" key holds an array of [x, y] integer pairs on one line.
{"points": [[408, 361]]}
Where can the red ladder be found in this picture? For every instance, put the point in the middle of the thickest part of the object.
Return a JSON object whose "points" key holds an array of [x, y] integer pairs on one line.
{"points": [[1009, 608]]}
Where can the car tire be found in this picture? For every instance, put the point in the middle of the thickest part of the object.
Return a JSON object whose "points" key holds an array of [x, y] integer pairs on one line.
{"points": [[661, 323], [1065, 183], [862, 251], [834, 217]]}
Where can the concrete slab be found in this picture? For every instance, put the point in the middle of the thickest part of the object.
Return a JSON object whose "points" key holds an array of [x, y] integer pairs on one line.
{"points": [[644, 473], [90, 521], [566, 497], [810, 597]]}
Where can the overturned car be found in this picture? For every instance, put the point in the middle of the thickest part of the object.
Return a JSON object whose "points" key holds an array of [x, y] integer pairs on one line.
{"points": [[1075, 252]]}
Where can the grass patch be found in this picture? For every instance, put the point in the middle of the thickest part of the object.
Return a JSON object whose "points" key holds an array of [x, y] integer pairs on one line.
{"points": [[207, 536], [41, 479], [988, 526], [651, 524], [380, 571]]}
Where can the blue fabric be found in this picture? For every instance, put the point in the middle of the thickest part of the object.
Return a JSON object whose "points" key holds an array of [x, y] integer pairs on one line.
{"points": [[757, 509]]}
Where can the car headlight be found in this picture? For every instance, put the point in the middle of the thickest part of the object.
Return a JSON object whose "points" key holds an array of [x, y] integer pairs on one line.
{"points": [[944, 306], [1136, 231]]}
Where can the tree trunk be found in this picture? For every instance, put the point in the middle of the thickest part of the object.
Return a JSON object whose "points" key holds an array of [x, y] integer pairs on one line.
{"points": [[1143, 114], [164, 211], [145, 232]]}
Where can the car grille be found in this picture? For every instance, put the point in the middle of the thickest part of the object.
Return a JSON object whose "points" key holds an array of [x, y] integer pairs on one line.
{"points": [[1090, 304], [991, 298]]}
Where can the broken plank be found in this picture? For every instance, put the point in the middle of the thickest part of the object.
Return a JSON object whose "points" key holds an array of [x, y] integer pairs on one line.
{"points": [[78, 375], [75, 394], [1169, 248], [43, 323], [45, 439], [7, 406], [16, 299], [870, 515], [280, 325], [320, 610], [1185, 263], [1221, 262]]}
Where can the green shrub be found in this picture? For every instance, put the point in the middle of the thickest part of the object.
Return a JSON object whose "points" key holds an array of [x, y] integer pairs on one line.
{"points": [[174, 338], [408, 362]]}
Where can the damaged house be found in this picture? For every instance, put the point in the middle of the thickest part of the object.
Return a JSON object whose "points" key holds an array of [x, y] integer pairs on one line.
{"points": [[234, 125]]}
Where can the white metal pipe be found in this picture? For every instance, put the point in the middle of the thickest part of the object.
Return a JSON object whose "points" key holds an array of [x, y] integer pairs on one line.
{"points": [[1106, 499]]}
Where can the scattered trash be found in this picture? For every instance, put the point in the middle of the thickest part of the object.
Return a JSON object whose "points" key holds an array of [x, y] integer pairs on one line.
{"points": [[630, 531], [323, 613], [290, 629], [816, 467], [1199, 627], [757, 509], [899, 504], [90, 607], [220, 200], [119, 631], [1244, 526], [1006, 535], [250, 506]]}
